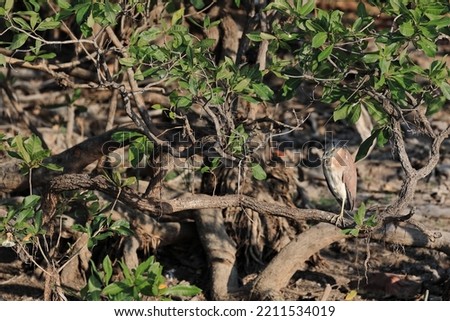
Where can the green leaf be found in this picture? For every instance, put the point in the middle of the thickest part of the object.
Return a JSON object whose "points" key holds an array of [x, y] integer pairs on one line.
{"points": [[407, 28], [22, 22], [361, 10], [122, 227], [145, 266], [48, 55], [8, 5], [33, 145], [81, 11], [183, 102], [111, 10], [384, 64], [107, 267], [35, 5], [18, 41], [63, 4], [428, 47], [90, 21], [177, 15], [263, 91], [445, 88], [243, 84], [360, 214], [181, 290], [86, 31], [325, 53], [306, 8], [371, 221], [48, 24], [30, 201], [2, 60], [123, 136], [17, 142], [383, 137], [370, 58], [24, 215], [351, 231], [127, 62], [115, 288], [341, 112], [198, 4], [319, 39], [129, 181], [365, 146], [254, 36], [377, 113], [354, 114], [267, 36], [38, 220], [439, 23], [53, 167], [258, 172]]}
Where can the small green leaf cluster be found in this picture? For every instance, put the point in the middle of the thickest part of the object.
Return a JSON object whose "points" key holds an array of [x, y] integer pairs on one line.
{"points": [[237, 141], [89, 12], [215, 163], [99, 225], [30, 152], [238, 146], [22, 223], [146, 280], [362, 223], [188, 64], [139, 146], [27, 24]]}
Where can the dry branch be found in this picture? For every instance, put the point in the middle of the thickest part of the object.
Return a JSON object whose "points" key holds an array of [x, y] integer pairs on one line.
{"points": [[157, 207], [167, 208], [292, 258], [221, 252]]}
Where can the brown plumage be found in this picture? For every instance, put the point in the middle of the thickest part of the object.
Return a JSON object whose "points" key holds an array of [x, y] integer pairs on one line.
{"points": [[340, 173]]}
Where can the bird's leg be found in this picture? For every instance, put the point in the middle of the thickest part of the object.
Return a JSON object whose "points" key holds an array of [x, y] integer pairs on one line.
{"points": [[338, 219]]}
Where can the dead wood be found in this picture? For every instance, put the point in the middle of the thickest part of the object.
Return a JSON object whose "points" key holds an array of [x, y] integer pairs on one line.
{"points": [[292, 258], [409, 235], [221, 252], [167, 209], [196, 202]]}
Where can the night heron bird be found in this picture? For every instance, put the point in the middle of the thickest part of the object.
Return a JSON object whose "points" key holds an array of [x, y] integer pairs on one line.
{"points": [[340, 173]]}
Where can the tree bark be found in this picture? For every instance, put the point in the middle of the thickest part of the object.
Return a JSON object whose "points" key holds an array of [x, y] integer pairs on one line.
{"points": [[292, 258]]}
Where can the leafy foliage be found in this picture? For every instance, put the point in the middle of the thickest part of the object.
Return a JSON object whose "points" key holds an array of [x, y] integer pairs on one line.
{"points": [[30, 152], [146, 280], [22, 223], [358, 65], [361, 222]]}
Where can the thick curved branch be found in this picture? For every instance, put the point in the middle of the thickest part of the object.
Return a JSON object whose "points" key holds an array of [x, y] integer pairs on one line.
{"points": [[413, 175], [197, 202], [292, 258], [221, 252], [165, 208]]}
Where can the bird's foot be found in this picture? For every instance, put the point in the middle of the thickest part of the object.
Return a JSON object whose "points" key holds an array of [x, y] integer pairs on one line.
{"points": [[338, 219]]}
